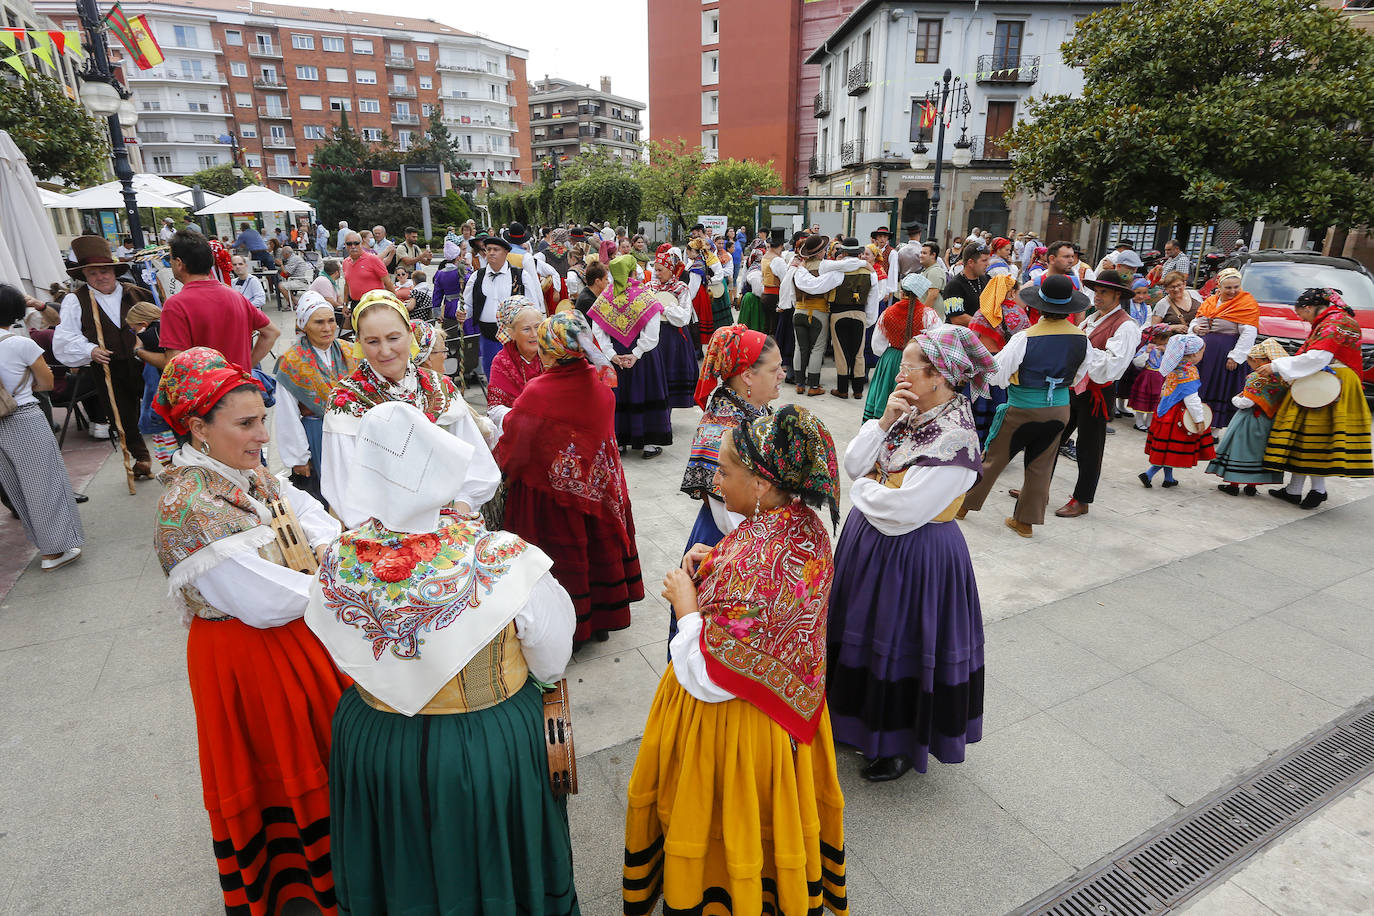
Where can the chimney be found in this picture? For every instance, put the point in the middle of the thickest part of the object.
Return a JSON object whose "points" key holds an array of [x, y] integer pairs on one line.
{"points": [[606, 84]]}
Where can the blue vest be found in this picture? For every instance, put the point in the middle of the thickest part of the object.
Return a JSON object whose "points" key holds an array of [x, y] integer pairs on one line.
{"points": [[1052, 356]]}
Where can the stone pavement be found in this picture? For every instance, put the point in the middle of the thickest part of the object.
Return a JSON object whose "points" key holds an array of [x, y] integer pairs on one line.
{"points": [[1137, 659]]}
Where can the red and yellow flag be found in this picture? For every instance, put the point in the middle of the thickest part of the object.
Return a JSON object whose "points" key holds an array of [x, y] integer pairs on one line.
{"points": [[929, 114], [137, 37]]}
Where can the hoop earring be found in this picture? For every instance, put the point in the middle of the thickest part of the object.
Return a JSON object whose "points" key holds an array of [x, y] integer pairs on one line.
{"points": [[205, 446]]}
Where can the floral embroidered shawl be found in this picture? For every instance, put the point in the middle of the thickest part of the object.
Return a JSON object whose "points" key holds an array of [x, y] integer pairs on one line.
{"points": [[624, 316], [510, 373], [204, 517], [763, 592], [944, 436], [364, 389], [724, 411], [309, 380], [1178, 384], [1266, 391], [1337, 332]]}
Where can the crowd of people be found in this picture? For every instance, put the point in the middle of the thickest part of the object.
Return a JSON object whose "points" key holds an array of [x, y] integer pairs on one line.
{"points": [[371, 632]]}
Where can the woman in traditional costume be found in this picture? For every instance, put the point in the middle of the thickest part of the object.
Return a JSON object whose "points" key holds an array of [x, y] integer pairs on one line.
{"points": [[626, 321], [263, 688], [1170, 444], [1148, 382], [447, 629], [676, 341], [1240, 454], [703, 273], [566, 489], [517, 327], [734, 802], [906, 627], [1329, 441], [998, 317], [899, 322], [1227, 322], [306, 374], [751, 290], [386, 346]]}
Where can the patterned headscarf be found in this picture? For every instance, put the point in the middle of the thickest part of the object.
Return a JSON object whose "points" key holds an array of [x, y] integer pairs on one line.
{"points": [[566, 336], [917, 284], [732, 350], [194, 382], [1322, 298], [1229, 273], [1179, 346], [958, 355], [307, 304], [1269, 349], [792, 450], [508, 312], [425, 339], [375, 298]]}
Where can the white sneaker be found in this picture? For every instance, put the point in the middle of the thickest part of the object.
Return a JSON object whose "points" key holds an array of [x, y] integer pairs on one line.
{"points": [[58, 562], [98, 431]]}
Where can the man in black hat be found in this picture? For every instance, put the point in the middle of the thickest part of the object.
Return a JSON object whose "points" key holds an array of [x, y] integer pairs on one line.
{"points": [[492, 284], [1044, 361], [806, 291], [1112, 340], [854, 306], [551, 283], [884, 259], [774, 269]]}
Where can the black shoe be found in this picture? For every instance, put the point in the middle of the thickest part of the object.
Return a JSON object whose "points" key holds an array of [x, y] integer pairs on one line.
{"points": [[601, 635], [1229, 489], [651, 451], [1287, 497], [1169, 483], [886, 769], [1069, 451], [1111, 431], [80, 498], [1312, 500], [1145, 480], [1251, 490]]}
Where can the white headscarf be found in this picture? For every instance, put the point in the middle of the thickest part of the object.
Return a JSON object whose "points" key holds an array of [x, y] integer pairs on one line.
{"points": [[1179, 346], [407, 468], [307, 304]]}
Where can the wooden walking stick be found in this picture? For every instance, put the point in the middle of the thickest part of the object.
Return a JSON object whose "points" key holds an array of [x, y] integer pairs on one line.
{"points": [[114, 406]]}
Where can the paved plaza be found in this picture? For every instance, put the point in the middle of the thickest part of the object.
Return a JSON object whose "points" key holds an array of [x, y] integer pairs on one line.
{"points": [[1138, 659]]}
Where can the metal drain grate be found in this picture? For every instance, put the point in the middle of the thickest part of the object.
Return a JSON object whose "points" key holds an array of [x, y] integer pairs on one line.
{"points": [[1172, 863]]}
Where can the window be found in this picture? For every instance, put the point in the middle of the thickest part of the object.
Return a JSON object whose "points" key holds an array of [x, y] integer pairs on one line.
{"points": [[710, 141], [710, 107], [1006, 44], [928, 40], [269, 73], [336, 74], [362, 46], [263, 41], [372, 134], [422, 53], [243, 100], [630, 136], [190, 67], [248, 130], [274, 105], [209, 161], [710, 68], [310, 102], [403, 109], [331, 43], [233, 37], [366, 76], [303, 42], [615, 133], [304, 72], [395, 50], [277, 133], [426, 82], [238, 68], [1000, 118], [162, 164], [184, 36], [369, 105], [253, 161], [920, 132], [337, 103], [281, 163], [710, 27], [404, 138], [310, 160], [314, 132]]}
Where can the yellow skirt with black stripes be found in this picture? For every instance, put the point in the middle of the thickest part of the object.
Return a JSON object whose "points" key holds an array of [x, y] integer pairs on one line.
{"points": [[1330, 441], [725, 818]]}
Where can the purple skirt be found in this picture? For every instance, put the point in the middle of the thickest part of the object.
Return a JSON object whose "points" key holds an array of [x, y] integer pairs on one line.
{"points": [[679, 358], [642, 415], [1220, 384], [905, 659], [1145, 391]]}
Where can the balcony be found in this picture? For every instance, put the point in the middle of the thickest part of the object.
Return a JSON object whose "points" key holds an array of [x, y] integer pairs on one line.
{"points": [[400, 63], [1008, 70], [287, 142], [851, 152], [289, 172], [274, 112], [860, 75], [402, 92], [820, 105], [163, 138], [178, 76], [211, 47], [269, 82], [987, 149], [405, 119], [199, 108], [818, 167], [457, 68], [261, 50]]}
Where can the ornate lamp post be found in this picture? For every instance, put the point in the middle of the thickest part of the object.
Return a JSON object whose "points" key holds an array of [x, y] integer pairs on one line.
{"points": [[103, 97], [949, 99]]}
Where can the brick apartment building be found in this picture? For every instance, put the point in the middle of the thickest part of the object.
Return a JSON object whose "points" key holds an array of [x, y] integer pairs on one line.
{"points": [[277, 79]]}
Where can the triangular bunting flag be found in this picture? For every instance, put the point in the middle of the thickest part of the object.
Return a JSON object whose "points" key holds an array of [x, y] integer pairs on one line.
{"points": [[59, 40], [41, 49], [14, 61], [8, 39], [74, 42]]}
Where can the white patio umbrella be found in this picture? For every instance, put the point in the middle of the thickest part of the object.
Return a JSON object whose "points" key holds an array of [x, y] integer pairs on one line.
{"points": [[188, 196], [110, 196], [30, 259], [256, 199], [52, 200]]}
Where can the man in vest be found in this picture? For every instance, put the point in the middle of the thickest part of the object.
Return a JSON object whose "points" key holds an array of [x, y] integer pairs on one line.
{"points": [[491, 285], [76, 342], [884, 259], [1112, 341], [806, 291], [854, 307]]}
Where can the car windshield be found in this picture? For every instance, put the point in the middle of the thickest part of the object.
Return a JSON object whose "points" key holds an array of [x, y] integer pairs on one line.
{"points": [[1284, 281]]}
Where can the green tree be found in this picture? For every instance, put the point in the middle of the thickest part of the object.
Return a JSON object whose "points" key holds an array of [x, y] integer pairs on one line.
{"points": [[1207, 110], [728, 188], [55, 134], [669, 183], [217, 178], [602, 196], [344, 195]]}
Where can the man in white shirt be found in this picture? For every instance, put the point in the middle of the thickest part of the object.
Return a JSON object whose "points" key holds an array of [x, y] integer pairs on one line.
{"points": [[383, 247], [249, 286], [169, 229], [806, 291], [343, 232], [491, 285]]}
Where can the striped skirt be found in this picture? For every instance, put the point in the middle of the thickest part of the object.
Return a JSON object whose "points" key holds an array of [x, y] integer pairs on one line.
{"points": [[1330, 441], [34, 477], [1168, 444]]}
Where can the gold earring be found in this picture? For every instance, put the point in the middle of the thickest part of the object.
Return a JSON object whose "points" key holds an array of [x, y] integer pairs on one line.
{"points": [[205, 446]]}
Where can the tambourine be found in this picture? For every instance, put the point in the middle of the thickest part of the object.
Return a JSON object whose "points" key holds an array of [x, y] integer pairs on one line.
{"points": [[1316, 390], [1193, 426]]}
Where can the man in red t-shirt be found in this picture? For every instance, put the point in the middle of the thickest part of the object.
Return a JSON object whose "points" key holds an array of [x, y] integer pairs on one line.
{"points": [[206, 313], [363, 271]]}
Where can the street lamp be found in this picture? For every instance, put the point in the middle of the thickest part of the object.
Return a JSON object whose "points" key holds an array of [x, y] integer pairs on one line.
{"points": [[949, 99], [102, 95]]}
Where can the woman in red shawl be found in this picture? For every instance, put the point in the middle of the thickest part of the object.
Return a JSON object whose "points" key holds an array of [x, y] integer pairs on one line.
{"points": [[566, 491], [517, 327]]}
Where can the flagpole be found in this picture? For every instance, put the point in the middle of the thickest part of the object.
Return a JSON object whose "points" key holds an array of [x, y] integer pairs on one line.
{"points": [[98, 70]]}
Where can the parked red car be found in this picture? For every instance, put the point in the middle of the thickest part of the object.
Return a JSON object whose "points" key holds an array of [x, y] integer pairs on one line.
{"points": [[1276, 278]]}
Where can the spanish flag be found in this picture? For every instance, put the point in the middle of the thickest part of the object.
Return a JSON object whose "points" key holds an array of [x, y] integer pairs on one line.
{"points": [[137, 38]]}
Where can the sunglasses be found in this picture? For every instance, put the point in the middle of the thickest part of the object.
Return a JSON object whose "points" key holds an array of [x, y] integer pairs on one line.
{"points": [[352, 244]]}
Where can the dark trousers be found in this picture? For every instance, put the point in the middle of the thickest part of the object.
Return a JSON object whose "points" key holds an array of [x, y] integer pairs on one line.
{"points": [[849, 353], [1092, 441], [811, 329], [126, 376], [780, 326]]}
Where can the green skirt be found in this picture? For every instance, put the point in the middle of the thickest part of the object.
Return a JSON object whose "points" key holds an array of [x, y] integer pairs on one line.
{"points": [[721, 314], [448, 815], [751, 312], [881, 384]]}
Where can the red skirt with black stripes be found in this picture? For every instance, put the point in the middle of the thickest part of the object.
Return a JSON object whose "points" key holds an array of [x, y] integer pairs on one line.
{"points": [[265, 701], [1170, 445]]}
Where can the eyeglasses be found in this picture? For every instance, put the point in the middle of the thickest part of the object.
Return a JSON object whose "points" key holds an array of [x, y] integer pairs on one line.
{"points": [[352, 244]]}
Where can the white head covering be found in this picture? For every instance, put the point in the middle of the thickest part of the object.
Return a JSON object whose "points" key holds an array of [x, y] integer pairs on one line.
{"points": [[607, 233], [1178, 347], [307, 304], [407, 468]]}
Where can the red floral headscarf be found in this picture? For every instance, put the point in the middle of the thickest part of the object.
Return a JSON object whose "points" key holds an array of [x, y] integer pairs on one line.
{"points": [[731, 351], [194, 382]]}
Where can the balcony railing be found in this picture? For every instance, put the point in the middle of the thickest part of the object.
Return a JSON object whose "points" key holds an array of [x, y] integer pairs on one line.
{"points": [[851, 152], [859, 77], [287, 142], [1007, 69], [989, 149], [818, 166], [397, 118], [402, 92], [457, 68], [820, 105], [275, 112], [400, 63], [208, 47], [268, 82], [186, 76], [261, 50]]}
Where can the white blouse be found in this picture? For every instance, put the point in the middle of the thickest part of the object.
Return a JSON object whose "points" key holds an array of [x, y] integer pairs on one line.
{"points": [[689, 662], [1109, 363], [1008, 360], [925, 491], [1292, 368]]}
